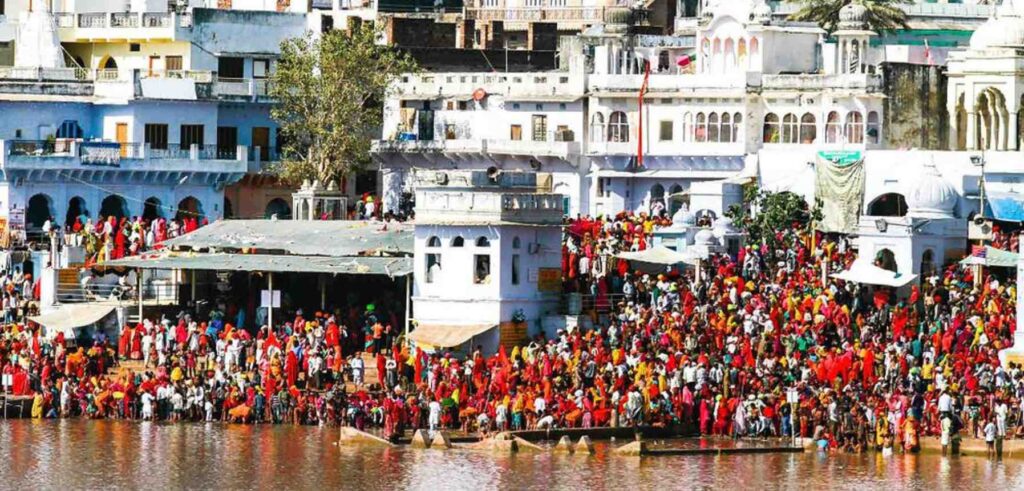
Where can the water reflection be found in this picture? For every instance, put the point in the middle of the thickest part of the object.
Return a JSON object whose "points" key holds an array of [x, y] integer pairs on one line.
{"points": [[92, 454]]}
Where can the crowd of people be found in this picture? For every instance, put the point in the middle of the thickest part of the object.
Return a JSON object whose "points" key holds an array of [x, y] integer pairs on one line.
{"points": [[114, 238], [761, 344]]}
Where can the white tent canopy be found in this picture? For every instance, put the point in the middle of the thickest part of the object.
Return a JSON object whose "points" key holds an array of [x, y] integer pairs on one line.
{"points": [[658, 255], [67, 318], [864, 272]]}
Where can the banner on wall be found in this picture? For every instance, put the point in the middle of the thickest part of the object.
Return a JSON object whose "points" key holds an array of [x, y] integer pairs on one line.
{"points": [[839, 185]]}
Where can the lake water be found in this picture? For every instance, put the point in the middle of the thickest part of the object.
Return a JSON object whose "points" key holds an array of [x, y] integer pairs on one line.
{"points": [[77, 454]]}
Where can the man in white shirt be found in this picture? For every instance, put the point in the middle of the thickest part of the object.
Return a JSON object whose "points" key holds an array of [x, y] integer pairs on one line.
{"points": [[945, 405]]}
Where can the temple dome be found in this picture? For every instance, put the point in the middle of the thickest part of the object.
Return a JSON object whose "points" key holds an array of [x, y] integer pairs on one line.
{"points": [[929, 195], [761, 13], [723, 226], [705, 237], [683, 218], [853, 16], [1004, 30]]}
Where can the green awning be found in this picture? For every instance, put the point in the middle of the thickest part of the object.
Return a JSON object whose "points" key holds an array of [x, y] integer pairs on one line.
{"points": [[993, 257]]}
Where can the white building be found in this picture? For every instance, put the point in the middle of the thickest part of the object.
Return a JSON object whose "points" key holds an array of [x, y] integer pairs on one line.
{"points": [[750, 96], [146, 110], [487, 258]]}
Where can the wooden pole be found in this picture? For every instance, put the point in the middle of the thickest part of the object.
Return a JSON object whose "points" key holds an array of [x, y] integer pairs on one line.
{"points": [[270, 306], [140, 272], [408, 304]]}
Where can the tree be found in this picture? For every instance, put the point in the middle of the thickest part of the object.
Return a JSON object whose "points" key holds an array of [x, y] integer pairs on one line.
{"points": [[329, 91], [880, 15], [764, 213]]}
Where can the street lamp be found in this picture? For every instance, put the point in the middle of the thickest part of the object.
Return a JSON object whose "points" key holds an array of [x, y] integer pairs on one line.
{"points": [[979, 161]]}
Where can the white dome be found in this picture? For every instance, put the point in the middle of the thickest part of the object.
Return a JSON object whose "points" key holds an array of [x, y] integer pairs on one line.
{"points": [[929, 195], [853, 16], [762, 13], [723, 226], [1004, 30], [705, 237], [683, 218]]}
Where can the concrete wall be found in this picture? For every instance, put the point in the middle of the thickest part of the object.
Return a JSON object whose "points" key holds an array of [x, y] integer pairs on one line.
{"points": [[140, 113], [231, 32], [95, 55], [454, 299], [915, 109], [36, 120], [245, 117]]}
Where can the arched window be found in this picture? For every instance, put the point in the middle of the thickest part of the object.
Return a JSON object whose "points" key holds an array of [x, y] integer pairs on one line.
{"points": [[888, 205], [458, 241], [855, 127], [808, 128], [40, 209], [730, 53], [189, 207], [886, 259], [77, 210], [618, 127], [657, 194], [114, 206], [737, 126], [701, 131], [687, 127], [278, 207], [927, 263], [771, 128], [874, 132], [790, 128], [832, 128], [755, 50], [726, 133], [434, 242], [705, 54], [483, 242], [516, 243], [152, 209], [741, 53], [713, 127], [597, 128]]}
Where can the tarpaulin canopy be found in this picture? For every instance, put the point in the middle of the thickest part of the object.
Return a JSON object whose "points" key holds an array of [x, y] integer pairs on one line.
{"points": [[273, 263], [1006, 206], [658, 255], [69, 317], [862, 271], [446, 335], [993, 257]]}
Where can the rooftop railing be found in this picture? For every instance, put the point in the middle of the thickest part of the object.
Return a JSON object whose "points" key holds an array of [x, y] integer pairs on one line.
{"points": [[122, 20]]}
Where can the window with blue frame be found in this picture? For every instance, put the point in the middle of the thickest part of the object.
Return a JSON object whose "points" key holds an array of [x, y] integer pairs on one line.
{"points": [[69, 129]]}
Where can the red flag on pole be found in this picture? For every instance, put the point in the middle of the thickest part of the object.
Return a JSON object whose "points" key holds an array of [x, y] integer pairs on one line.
{"points": [[640, 119]]}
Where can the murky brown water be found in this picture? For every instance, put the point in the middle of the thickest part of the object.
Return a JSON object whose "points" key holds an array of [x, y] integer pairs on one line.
{"points": [[93, 454]]}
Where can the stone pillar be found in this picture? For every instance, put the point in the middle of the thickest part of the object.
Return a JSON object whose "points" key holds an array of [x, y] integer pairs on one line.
{"points": [[391, 189], [465, 30], [1015, 353], [972, 131], [1012, 132]]}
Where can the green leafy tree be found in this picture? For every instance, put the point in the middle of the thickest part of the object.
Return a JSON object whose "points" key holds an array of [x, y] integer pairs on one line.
{"points": [[329, 91], [764, 213], [881, 15]]}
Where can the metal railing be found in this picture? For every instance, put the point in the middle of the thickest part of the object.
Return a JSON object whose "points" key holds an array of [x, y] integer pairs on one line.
{"points": [[97, 151]]}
